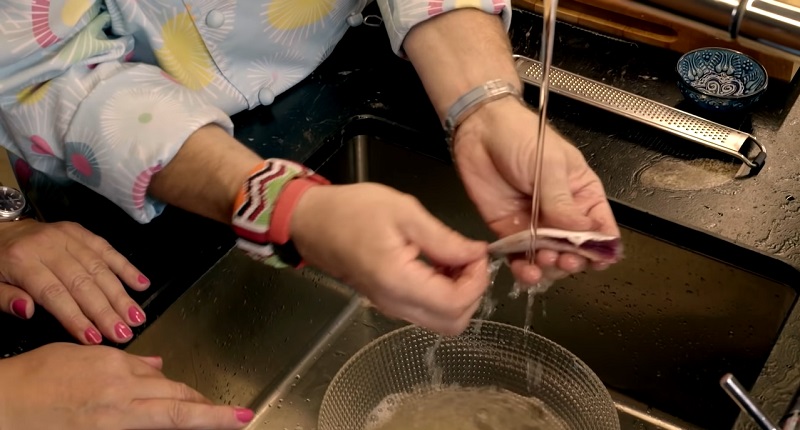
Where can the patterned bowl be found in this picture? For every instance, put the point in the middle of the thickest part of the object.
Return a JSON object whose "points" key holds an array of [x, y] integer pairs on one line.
{"points": [[721, 79]]}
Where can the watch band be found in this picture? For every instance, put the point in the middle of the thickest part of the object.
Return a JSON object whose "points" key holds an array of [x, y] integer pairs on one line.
{"points": [[473, 99], [262, 211]]}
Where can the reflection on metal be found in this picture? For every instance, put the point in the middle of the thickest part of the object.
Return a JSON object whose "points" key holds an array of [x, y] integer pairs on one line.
{"points": [[775, 23]]}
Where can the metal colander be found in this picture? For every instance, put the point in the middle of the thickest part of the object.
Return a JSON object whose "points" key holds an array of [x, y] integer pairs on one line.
{"points": [[487, 354]]}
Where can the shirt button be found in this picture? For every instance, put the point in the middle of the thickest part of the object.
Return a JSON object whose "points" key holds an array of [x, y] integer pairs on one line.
{"points": [[215, 19], [266, 96]]}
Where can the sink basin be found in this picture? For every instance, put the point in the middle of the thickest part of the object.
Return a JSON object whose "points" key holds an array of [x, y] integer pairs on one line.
{"points": [[659, 329]]}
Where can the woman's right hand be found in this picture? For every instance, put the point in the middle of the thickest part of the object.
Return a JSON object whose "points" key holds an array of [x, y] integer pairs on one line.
{"points": [[372, 236], [71, 387], [72, 273]]}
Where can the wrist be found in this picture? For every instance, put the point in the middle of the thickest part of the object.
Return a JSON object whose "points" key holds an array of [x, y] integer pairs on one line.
{"points": [[484, 120], [264, 208]]}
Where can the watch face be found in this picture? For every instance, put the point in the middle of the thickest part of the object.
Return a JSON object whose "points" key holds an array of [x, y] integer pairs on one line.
{"points": [[12, 201]]}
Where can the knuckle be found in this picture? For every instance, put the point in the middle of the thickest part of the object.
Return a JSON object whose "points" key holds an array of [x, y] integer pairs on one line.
{"points": [[177, 414], [17, 252], [106, 313], [80, 283], [53, 292], [96, 267], [67, 226], [183, 391]]}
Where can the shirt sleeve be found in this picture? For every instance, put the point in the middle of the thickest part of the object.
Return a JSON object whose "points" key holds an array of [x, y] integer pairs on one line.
{"points": [[400, 16], [72, 107]]}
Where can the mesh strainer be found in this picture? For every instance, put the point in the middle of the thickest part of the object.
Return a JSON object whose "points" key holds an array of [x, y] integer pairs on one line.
{"points": [[487, 354]]}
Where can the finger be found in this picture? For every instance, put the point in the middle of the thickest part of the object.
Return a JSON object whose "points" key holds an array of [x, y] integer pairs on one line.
{"points": [[89, 297], [118, 264], [162, 388], [441, 301], [546, 258], [440, 243], [558, 207], [109, 284], [154, 361], [445, 326], [15, 301], [572, 263], [47, 290], [173, 414], [524, 272], [604, 217]]}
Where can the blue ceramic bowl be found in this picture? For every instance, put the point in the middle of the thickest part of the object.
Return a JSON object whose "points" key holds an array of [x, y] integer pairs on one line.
{"points": [[721, 79]]}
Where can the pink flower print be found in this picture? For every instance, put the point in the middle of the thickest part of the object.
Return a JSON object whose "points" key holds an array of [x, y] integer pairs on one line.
{"points": [[139, 191], [40, 146], [82, 165], [435, 7], [40, 21], [23, 171]]}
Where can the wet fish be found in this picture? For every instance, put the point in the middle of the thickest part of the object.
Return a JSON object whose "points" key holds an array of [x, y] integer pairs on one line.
{"points": [[596, 247]]}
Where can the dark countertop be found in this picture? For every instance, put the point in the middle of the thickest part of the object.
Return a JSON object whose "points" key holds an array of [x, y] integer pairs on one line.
{"points": [[363, 77]]}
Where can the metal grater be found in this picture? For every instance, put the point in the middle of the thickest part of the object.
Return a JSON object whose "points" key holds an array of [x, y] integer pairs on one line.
{"points": [[696, 129]]}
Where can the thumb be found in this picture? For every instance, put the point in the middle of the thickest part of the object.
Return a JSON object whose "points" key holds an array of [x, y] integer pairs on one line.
{"points": [[438, 242], [558, 208], [15, 301]]}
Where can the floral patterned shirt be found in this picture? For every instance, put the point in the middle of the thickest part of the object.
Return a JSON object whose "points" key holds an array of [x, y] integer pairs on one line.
{"points": [[105, 92]]}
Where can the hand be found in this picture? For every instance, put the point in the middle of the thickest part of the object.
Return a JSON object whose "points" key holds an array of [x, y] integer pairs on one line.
{"points": [[495, 151], [370, 236], [73, 274], [71, 387]]}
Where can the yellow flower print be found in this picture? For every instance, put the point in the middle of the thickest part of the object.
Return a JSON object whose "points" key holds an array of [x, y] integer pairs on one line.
{"points": [[184, 55], [292, 14], [73, 10], [33, 94], [468, 3]]}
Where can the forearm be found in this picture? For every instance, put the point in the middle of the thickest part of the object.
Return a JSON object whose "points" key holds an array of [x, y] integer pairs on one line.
{"points": [[458, 51], [206, 174]]}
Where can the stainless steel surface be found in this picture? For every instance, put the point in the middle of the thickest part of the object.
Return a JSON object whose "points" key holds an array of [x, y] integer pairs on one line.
{"points": [[743, 400], [488, 354], [546, 54], [771, 22], [693, 128], [659, 329]]}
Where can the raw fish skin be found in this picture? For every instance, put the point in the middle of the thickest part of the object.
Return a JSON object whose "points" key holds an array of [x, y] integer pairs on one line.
{"points": [[596, 247]]}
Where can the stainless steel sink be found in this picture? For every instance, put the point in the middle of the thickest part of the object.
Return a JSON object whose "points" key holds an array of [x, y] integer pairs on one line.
{"points": [[659, 329]]}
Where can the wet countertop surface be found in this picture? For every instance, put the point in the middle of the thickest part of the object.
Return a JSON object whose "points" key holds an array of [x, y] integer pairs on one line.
{"points": [[642, 167]]}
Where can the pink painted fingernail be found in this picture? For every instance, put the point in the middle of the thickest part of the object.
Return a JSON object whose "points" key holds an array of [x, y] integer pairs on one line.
{"points": [[93, 336], [122, 331], [136, 315], [20, 308], [244, 415], [143, 280]]}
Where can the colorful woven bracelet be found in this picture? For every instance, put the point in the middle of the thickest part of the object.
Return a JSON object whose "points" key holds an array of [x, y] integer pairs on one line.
{"points": [[263, 208]]}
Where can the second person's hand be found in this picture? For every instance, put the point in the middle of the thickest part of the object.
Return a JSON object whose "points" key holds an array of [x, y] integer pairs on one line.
{"points": [[72, 273], [72, 387], [371, 237]]}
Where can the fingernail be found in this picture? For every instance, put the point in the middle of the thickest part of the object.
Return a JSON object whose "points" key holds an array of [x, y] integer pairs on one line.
{"points": [[93, 336], [244, 415], [122, 331], [20, 308], [136, 315], [143, 280]]}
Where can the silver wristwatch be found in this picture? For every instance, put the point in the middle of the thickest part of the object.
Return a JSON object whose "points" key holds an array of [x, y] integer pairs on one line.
{"points": [[13, 205]]}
